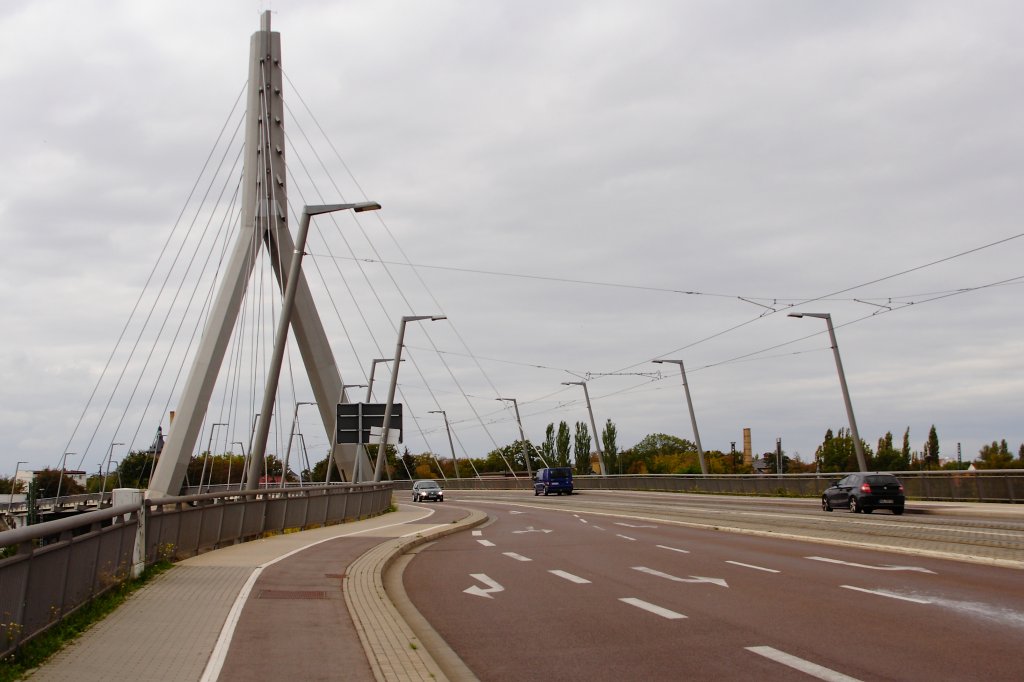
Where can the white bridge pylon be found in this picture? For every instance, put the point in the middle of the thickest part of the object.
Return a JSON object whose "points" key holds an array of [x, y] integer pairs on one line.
{"points": [[264, 220]]}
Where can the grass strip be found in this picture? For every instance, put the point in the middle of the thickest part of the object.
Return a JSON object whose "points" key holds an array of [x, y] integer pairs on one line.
{"points": [[36, 651]]}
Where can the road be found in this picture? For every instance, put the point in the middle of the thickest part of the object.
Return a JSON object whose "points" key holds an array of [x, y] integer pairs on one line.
{"points": [[619, 585]]}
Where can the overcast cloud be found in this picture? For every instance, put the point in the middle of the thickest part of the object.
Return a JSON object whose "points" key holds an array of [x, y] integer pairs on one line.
{"points": [[777, 152]]}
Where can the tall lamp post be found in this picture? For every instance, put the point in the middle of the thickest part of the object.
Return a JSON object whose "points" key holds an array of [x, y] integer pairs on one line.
{"points": [[209, 455], [593, 424], [280, 338], [17, 468], [522, 436], [110, 453], [693, 419], [63, 464], [378, 471], [857, 447], [451, 443], [291, 436]]}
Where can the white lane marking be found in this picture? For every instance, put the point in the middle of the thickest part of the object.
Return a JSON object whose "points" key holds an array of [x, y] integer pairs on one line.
{"points": [[517, 557], [492, 586], [486, 543], [516, 512], [596, 527], [758, 568], [531, 529], [652, 608], [888, 567], [881, 593], [477, 533], [673, 549], [691, 579], [812, 669], [220, 650], [625, 537], [583, 520], [634, 525], [570, 577]]}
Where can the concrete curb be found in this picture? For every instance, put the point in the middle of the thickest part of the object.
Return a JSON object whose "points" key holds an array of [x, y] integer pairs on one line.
{"points": [[392, 648]]}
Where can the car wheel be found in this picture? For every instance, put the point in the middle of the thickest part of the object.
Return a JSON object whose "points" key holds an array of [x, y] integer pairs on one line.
{"points": [[825, 506], [415, 498], [546, 491], [868, 510], [897, 510], [536, 492], [854, 507]]}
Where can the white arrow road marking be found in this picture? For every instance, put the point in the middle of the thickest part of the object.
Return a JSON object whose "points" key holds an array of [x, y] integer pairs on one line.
{"points": [[812, 669], [882, 593], [486, 543], [517, 557], [633, 525], [691, 579], [483, 591], [571, 578], [888, 567], [652, 608], [673, 549], [531, 529], [758, 568], [625, 537]]}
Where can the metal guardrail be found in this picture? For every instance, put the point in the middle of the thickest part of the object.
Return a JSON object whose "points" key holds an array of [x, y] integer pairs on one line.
{"points": [[49, 570], [986, 485]]}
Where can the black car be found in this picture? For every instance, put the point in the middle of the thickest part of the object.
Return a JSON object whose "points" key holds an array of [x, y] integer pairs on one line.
{"points": [[427, 490], [865, 493]]}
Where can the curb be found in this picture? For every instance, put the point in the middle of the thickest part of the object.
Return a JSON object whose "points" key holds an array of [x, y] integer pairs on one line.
{"points": [[393, 650]]}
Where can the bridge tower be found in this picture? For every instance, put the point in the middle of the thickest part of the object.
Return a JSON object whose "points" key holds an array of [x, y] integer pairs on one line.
{"points": [[264, 222]]}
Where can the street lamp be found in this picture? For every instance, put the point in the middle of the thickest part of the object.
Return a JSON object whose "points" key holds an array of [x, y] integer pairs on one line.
{"points": [[451, 444], [209, 454], [693, 419], [593, 424], [382, 448], [110, 453], [284, 321], [522, 436], [17, 468], [241, 446], [291, 436], [63, 463], [857, 447]]}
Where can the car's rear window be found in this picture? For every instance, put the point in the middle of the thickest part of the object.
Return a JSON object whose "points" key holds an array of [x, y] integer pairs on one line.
{"points": [[882, 480], [561, 473]]}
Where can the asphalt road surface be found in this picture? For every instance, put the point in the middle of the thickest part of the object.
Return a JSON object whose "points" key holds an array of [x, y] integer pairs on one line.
{"points": [[604, 586]]}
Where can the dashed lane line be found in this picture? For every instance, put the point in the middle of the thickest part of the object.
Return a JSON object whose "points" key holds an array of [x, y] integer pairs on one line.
{"points": [[756, 568], [812, 669], [890, 595], [486, 543], [570, 577], [673, 549], [517, 557], [652, 608], [625, 537]]}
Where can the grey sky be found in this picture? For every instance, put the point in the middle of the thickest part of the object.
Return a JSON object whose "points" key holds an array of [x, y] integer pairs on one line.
{"points": [[777, 151]]}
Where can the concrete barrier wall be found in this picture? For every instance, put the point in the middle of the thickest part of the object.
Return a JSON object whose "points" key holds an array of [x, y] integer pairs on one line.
{"points": [[49, 570], [1005, 485]]}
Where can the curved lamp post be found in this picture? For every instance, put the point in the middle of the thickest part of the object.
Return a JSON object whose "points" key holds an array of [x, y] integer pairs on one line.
{"points": [[593, 424], [857, 447], [693, 419]]}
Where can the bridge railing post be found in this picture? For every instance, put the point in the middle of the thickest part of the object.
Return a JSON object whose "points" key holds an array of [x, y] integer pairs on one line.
{"points": [[134, 496]]}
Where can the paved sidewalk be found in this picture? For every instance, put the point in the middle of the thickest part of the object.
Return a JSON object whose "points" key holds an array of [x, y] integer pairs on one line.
{"points": [[191, 623]]}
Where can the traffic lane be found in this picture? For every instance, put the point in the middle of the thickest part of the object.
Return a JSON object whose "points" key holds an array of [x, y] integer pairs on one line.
{"points": [[743, 611], [992, 541]]}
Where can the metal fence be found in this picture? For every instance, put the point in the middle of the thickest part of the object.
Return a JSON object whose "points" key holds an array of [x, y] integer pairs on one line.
{"points": [[49, 570], [1002, 485]]}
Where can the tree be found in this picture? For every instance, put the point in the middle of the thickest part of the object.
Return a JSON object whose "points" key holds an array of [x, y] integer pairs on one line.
{"points": [[11, 485], [547, 449], [611, 450], [888, 458], [905, 450], [47, 481], [660, 453], [562, 445], [582, 448], [995, 456], [931, 449], [836, 453]]}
